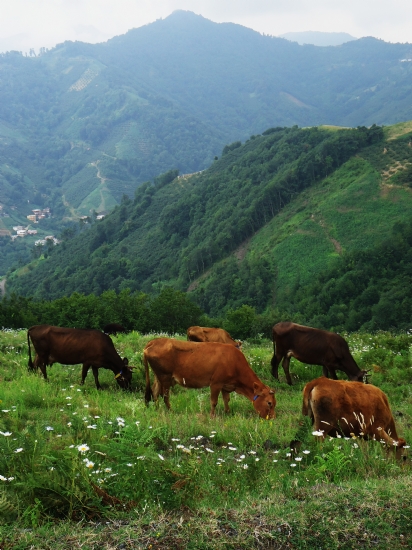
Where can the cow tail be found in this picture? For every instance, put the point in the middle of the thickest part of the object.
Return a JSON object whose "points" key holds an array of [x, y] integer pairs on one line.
{"points": [[30, 365], [148, 393]]}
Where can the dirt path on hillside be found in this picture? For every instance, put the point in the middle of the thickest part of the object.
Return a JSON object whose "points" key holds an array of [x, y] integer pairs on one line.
{"points": [[103, 187]]}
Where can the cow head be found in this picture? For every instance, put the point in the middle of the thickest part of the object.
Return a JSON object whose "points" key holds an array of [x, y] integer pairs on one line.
{"points": [[124, 377], [361, 376], [264, 401]]}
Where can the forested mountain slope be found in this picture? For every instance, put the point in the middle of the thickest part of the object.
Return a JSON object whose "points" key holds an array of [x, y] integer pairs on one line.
{"points": [[82, 124], [262, 222]]}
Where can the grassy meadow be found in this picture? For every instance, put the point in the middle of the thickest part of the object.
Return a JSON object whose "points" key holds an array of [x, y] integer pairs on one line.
{"points": [[81, 468]]}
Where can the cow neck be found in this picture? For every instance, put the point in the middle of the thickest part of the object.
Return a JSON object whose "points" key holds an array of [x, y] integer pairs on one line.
{"points": [[245, 386]]}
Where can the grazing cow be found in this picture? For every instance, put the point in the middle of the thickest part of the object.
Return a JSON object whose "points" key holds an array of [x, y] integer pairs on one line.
{"points": [[71, 346], [315, 347], [222, 367], [114, 328], [206, 334], [338, 407]]}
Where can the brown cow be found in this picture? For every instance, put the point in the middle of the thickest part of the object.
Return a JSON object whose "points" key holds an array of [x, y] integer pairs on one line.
{"points": [[71, 346], [315, 347], [114, 329], [338, 407], [222, 367], [207, 334]]}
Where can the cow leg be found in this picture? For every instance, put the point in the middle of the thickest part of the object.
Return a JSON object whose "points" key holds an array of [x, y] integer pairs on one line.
{"points": [[275, 364], [329, 372], [166, 396], [214, 396], [85, 370], [39, 363], [95, 371], [226, 399], [161, 387], [285, 365]]}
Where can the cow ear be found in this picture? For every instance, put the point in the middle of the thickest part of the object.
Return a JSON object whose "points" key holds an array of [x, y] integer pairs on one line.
{"points": [[272, 392], [257, 389]]}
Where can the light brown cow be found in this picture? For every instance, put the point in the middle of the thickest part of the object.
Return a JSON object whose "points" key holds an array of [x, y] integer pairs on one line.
{"points": [[71, 346], [207, 334], [222, 367], [339, 407]]}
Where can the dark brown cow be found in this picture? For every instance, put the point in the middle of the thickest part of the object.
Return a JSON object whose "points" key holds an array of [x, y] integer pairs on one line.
{"points": [[222, 367], [114, 329], [71, 346], [315, 347], [207, 334], [338, 407]]}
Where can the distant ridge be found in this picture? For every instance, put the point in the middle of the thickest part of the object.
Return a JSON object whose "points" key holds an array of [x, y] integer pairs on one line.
{"points": [[318, 38]]}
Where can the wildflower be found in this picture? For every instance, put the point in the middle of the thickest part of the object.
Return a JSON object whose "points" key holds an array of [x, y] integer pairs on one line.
{"points": [[5, 410], [6, 434], [187, 451], [68, 397], [232, 449], [252, 452], [275, 460], [161, 457], [120, 420], [306, 452], [97, 416], [130, 465], [288, 454], [2, 478], [318, 433], [209, 450], [10, 478], [138, 422], [213, 432], [293, 465], [69, 424], [257, 459], [92, 427], [89, 463], [180, 447], [83, 448], [245, 466], [298, 458], [242, 457], [49, 429], [175, 439], [86, 406], [19, 450], [107, 470], [355, 446]]}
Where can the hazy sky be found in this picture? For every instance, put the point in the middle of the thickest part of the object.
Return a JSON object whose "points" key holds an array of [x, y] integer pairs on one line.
{"points": [[26, 24]]}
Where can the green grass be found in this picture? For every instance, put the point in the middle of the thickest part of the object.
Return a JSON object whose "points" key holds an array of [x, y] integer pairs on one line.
{"points": [[150, 478]]}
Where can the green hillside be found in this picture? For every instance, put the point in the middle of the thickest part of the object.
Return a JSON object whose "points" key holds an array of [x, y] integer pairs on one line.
{"points": [[170, 95], [261, 224]]}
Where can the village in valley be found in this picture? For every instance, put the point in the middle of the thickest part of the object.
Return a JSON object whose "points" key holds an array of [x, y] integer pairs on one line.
{"points": [[23, 231]]}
